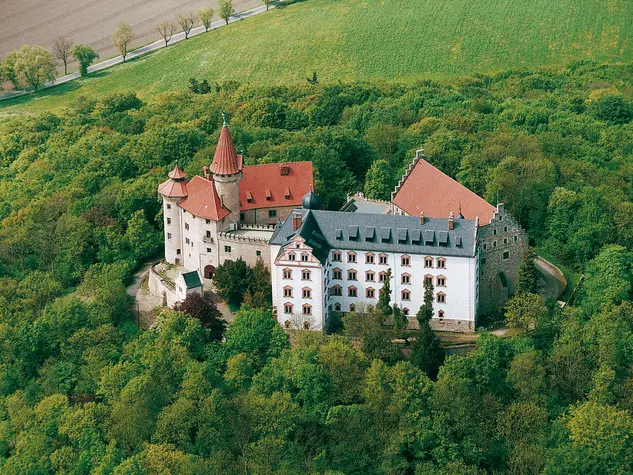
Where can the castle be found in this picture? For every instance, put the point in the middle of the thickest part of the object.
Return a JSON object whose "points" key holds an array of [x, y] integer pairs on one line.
{"points": [[325, 263]]}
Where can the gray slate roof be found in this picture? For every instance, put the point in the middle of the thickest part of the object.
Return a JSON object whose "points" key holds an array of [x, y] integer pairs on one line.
{"points": [[326, 230]]}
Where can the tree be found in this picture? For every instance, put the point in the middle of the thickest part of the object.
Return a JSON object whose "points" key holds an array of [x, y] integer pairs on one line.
{"points": [[203, 308], [7, 69], [85, 55], [122, 38], [427, 354], [379, 182], [383, 307], [233, 279], [526, 281], [226, 10], [35, 66], [524, 310], [62, 51], [612, 108], [206, 17], [268, 3], [608, 278], [186, 21], [166, 28]]}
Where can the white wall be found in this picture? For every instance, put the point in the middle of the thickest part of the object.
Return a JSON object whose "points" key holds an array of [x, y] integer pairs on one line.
{"points": [[199, 252]]}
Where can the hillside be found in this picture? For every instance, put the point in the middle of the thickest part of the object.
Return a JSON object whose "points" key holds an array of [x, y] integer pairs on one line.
{"points": [[355, 40]]}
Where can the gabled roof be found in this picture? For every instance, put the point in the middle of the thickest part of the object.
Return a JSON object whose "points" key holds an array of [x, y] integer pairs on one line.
{"points": [[226, 161], [192, 279], [173, 188], [427, 190], [325, 230], [273, 185], [203, 200]]}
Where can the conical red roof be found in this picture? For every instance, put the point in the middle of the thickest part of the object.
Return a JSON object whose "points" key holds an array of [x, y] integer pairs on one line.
{"points": [[226, 161], [177, 173], [202, 199]]}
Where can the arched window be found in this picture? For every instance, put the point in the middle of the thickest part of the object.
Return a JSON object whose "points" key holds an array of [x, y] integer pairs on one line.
{"points": [[406, 295], [307, 309], [287, 274], [441, 297], [305, 274], [287, 307]]}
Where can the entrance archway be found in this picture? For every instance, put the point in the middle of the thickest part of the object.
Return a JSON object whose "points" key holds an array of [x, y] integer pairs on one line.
{"points": [[209, 271]]}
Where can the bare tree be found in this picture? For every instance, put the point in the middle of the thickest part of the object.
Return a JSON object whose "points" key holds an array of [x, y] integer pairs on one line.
{"points": [[166, 28], [61, 50], [186, 21], [122, 38], [226, 10], [206, 17]]}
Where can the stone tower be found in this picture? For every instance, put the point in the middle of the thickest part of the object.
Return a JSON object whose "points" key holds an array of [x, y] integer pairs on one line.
{"points": [[227, 173], [173, 191]]}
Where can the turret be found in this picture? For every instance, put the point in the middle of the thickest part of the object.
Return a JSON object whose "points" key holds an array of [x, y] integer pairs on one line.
{"points": [[227, 173], [173, 191]]}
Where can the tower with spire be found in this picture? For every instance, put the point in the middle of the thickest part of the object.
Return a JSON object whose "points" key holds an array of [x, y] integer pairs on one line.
{"points": [[173, 191], [226, 169]]}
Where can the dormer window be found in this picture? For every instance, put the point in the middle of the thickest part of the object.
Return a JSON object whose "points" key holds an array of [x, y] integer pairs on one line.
{"points": [[249, 197], [284, 170], [269, 195], [287, 193]]}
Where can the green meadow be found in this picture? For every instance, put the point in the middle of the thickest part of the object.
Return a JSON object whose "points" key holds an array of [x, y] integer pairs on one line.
{"points": [[392, 40]]}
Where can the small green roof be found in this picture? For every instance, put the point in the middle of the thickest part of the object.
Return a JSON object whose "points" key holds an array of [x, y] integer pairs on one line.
{"points": [[192, 280]]}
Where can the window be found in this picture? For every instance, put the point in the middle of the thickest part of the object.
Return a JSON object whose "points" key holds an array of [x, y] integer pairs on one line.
{"points": [[258, 253], [227, 249], [352, 292], [178, 251], [242, 217], [208, 234], [370, 276], [516, 239], [505, 229], [305, 257], [351, 257], [208, 249], [291, 256], [287, 274], [337, 307], [336, 290], [187, 226], [337, 274], [405, 279], [506, 255], [168, 220], [287, 309], [383, 259], [187, 241], [370, 293], [336, 256], [428, 262], [440, 314], [441, 297], [305, 274], [406, 295], [405, 311], [505, 240], [272, 213], [382, 277], [441, 281], [405, 261], [351, 274], [428, 279], [369, 258], [288, 292], [485, 246], [208, 221], [352, 307], [494, 244], [168, 235], [441, 263], [494, 232], [307, 293], [307, 309]]}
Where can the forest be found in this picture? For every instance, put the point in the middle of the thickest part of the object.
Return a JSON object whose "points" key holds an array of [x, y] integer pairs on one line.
{"points": [[83, 390]]}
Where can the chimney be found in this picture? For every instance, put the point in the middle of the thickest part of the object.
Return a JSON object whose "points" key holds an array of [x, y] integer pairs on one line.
{"points": [[451, 221], [296, 221], [422, 217]]}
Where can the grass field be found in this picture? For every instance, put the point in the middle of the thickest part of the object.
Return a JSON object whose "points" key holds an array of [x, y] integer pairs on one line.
{"points": [[365, 40]]}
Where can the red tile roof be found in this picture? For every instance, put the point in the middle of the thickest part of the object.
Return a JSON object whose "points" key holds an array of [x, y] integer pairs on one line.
{"points": [[427, 190], [203, 200], [173, 188], [287, 189], [177, 173], [226, 161]]}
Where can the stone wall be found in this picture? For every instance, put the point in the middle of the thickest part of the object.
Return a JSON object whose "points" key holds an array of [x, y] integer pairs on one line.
{"points": [[250, 250], [162, 288], [261, 216], [501, 245]]}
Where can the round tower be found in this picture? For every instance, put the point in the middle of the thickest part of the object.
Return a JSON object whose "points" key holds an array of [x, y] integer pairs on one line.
{"points": [[173, 191], [227, 173]]}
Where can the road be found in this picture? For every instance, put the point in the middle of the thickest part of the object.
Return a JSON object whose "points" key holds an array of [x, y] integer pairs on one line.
{"points": [[144, 49], [91, 22]]}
